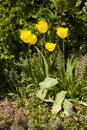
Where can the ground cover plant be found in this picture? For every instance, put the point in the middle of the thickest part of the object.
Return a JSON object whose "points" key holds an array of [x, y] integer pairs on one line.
{"points": [[43, 60]]}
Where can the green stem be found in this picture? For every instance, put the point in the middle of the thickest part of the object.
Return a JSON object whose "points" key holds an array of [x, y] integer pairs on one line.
{"points": [[63, 56], [30, 68], [30, 72], [43, 37], [46, 68]]}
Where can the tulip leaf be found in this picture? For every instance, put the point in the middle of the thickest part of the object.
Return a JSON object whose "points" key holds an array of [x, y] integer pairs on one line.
{"points": [[44, 86], [70, 68], [57, 105], [48, 83], [44, 61], [82, 103], [79, 102], [41, 94], [69, 109]]}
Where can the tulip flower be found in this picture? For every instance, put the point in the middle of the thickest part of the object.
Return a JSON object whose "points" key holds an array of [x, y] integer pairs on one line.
{"points": [[32, 39], [42, 26], [24, 35], [28, 37], [50, 46], [62, 32]]}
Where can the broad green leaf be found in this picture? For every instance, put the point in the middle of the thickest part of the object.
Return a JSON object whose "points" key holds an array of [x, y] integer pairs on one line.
{"points": [[45, 62], [41, 94], [44, 86], [57, 105], [68, 109], [48, 83]]}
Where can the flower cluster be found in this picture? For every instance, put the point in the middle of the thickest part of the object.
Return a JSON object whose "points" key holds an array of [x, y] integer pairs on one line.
{"points": [[28, 37]]}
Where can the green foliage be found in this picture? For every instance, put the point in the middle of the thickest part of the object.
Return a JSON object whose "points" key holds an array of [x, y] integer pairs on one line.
{"points": [[67, 81], [45, 63], [68, 109], [46, 85], [17, 15], [57, 105]]}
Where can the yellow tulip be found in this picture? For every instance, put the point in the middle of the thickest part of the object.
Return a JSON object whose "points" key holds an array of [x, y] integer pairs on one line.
{"points": [[50, 46], [42, 26], [32, 39], [62, 32], [24, 35]]}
